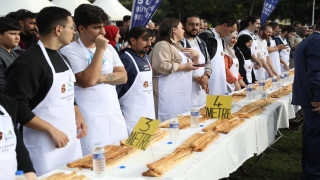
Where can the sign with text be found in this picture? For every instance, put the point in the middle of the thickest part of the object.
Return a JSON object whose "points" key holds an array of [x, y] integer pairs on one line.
{"points": [[142, 133], [268, 7], [218, 106], [142, 11]]}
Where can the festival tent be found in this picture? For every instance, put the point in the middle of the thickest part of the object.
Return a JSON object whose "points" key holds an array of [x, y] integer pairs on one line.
{"points": [[70, 5], [113, 8], [35, 6]]}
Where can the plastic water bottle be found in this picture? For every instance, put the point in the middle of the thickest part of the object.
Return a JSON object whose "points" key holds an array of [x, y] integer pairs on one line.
{"points": [[274, 82], [286, 76], [174, 129], [249, 92], [194, 117], [281, 80], [20, 175], [99, 161], [262, 84]]}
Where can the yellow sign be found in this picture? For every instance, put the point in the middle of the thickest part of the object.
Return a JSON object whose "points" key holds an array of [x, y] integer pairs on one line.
{"points": [[218, 106], [142, 133]]}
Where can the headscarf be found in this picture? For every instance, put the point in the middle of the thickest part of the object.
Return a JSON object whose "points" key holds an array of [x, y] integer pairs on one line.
{"points": [[228, 48], [301, 31], [111, 33], [241, 45]]}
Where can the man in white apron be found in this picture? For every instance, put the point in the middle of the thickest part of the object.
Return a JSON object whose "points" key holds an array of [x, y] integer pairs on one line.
{"points": [[263, 55], [217, 81], [200, 76], [136, 96], [274, 49], [98, 69], [286, 33], [13, 153], [42, 81]]}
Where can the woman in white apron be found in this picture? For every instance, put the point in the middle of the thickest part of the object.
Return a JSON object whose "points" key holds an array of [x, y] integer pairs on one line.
{"points": [[12, 149], [172, 81], [233, 76], [138, 100], [243, 54], [57, 108], [275, 58]]}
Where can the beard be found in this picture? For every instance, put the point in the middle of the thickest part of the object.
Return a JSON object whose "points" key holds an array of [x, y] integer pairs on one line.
{"points": [[190, 34], [264, 36]]}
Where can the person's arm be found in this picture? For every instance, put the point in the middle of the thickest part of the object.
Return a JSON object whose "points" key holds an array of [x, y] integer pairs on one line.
{"points": [[283, 62], [313, 69], [119, 76], [81, 124], [270, 65], [126, 63], [256, 60], [91, 75], [277, 48], [229, 76], [294, 42]]}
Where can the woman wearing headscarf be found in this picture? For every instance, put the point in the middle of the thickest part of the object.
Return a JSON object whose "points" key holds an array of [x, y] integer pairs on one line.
{"points": [[243, 53], [172, 70], [112, 34], [296, 39], [234, 78]]}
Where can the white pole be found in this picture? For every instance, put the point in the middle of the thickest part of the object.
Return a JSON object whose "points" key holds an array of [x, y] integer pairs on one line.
{"points": [[313, 13]]}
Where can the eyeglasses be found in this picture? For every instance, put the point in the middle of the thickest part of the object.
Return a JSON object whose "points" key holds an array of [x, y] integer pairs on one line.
{"points": [[71, 27]]}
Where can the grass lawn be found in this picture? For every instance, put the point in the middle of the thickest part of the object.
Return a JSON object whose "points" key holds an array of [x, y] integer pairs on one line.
{"points": [[284, 164]]}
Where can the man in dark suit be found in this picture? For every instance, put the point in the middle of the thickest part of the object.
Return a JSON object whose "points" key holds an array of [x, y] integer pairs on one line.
{"points": [[306, 93]]}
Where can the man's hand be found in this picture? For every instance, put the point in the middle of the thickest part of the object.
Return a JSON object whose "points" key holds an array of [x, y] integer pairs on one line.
{"points": [[82, 127], [30, 176], [287, 67], [204, 79], [281, 46], [101, 43], [59, 137], [197, 79], [259, 64], [237, 86], [316, 106], [242, 84], [188, 67]]}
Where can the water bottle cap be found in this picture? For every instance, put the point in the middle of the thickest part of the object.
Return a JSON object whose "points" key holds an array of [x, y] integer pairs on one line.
{"points": [[226, 93], [97, 143], [19, 172], [201, 125], [169, 142], [122, 167]]}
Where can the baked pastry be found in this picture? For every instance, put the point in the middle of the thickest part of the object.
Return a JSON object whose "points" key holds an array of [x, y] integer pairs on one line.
{"points": [[64, 176]]}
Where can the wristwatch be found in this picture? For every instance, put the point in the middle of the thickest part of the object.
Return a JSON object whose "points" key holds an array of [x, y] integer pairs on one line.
{"points": [[207, 75]]}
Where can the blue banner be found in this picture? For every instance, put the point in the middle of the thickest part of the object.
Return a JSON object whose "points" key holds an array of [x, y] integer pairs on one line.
{"points": [[143, 11], [268, 7]]}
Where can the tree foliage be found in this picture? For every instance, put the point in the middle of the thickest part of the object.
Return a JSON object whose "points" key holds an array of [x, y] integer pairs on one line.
{"points": [[215, 10]]}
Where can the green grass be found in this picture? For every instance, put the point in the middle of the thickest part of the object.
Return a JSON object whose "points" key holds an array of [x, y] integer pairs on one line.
{"points": [[284, 164]]}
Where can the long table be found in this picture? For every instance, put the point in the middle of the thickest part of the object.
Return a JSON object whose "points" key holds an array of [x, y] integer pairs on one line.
{"points": [[220, 159]]}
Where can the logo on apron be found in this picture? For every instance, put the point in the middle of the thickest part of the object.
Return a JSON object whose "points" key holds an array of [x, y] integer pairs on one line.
{"points": [[145, 84], [9, 136], [237, 65], [63, 88], [1, 136], [287, 50], [221, 53], [249, 67]]}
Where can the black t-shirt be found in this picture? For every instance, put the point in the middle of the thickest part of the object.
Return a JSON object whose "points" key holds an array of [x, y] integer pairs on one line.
{"points": [[28, 40], [142, 63], [30, 79], [23, 158]]}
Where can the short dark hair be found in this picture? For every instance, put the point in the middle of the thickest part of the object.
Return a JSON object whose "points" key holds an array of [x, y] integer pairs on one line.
{"points": [[274, 24], [244, 24], [264, 27], [49, 17], [87, 14], [8, 24], [137, 31], [165, 32], [230, 21], [289, 29], [296, 23], [126, 18], [186, 16], [25, 14]]}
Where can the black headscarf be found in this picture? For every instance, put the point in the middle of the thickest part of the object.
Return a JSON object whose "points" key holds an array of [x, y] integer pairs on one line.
{"points": [[241, 44]]}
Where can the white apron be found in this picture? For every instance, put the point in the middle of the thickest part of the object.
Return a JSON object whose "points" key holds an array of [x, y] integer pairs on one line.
{"points": [[198, 94], [275, 58], [235, 72], [261, 72], [285, 55], [8, 142], [100, 109], [218, 79], [138, 100], [174, 92], [57, 108], [248, 67]]}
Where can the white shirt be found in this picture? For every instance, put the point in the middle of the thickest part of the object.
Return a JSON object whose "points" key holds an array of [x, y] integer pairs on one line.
{"points": [[79, 59], [262, 48]]}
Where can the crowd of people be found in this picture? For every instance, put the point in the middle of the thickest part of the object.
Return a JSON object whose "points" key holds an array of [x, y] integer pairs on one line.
{"points": [[69, 82]]}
